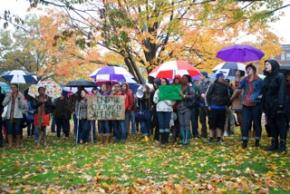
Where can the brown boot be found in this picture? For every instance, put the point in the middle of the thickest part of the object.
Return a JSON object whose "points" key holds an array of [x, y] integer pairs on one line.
{"points": [[10, 141], [18, 141]]}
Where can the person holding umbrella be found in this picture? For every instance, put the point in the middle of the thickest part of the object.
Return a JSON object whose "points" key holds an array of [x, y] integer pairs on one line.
{"points": [[43, 106], [274, 104], [82, 125], [16, 105]]}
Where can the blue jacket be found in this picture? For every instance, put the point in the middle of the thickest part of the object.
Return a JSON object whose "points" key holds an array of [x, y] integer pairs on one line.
{"points": [[257, 90]]}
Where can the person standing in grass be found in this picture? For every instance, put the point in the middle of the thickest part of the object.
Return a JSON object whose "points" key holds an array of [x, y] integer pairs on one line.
{"points": [[2, 96], [164, 110], [81, 112], [251, 86], [274, 104], [218, 98], [119, 125], [62, 115], [43, 106], [104, 125], [184, 108], [203, 109], [16, 105], [129, 104]]}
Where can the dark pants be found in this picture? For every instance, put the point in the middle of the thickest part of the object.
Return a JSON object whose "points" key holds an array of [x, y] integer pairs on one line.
{"points": [[30, 129], [120, 130], [194, 121], [62, 125], [249, 115], [278, 126], [83, 130], [202, 118], [53, 124], [146, 123], [1, 135]]}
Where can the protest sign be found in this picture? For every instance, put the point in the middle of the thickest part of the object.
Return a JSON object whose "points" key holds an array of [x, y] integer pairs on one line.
{"points": [[106, 107], [169, 92]]}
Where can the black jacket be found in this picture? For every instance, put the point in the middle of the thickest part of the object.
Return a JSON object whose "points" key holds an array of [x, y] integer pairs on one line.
{"points": [[62, 108], [274, 90], [218, 94], [48, 105]]}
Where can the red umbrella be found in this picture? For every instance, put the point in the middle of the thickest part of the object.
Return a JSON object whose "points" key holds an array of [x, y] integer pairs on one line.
{"points": [[172, 68]]}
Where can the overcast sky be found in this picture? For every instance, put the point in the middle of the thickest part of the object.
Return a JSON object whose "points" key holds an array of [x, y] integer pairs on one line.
{"points": [[280, 28]]}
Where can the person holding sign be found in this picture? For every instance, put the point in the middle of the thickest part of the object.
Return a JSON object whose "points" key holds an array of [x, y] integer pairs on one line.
{"points": [[164, 110], [120, 131]]}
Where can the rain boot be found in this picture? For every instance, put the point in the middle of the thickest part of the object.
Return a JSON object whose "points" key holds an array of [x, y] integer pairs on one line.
{"points": [[274, 145], [282, 146], [245, 144], [182, 136]]}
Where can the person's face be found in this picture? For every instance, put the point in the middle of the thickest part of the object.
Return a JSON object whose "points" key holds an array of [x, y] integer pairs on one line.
{"points": [[83, 93], [221, 78], [124, 87], [163, 82], [268, 67], [94, 91], [117, 88], [250, 71], [104, 87], [184, 80], [238, 74], [41, 91], [14, 89]]}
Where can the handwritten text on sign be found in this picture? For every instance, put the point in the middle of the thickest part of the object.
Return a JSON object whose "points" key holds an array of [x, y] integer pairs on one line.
{"points": [[106, 107]]}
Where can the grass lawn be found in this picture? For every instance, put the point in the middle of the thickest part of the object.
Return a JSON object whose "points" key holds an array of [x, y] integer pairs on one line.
{"points": [[137, 167]]}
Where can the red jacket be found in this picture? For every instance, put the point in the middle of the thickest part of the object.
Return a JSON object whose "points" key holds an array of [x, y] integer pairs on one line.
{"points": [[129, 99]]}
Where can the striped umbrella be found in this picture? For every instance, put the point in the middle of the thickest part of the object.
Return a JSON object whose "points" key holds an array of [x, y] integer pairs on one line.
{"points": [[229, 68], [19, 77], [112, 73], [172, 68]]}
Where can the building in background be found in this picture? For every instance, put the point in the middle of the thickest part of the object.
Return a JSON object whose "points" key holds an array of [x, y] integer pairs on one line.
{"points": [[284, 58]]}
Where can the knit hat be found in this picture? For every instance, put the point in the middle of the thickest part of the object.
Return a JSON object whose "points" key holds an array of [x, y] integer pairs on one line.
{"points": [[219, 74]]}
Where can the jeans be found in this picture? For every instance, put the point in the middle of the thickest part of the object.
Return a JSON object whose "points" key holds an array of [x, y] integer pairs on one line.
{"points": [[93, 129], [163, 121], [194, 121], [83, 131], [130, 117], [104, 127], [14, 127], [184, 124], [40, 135], [62, 125], [146, 123], [120, 130], [30, 128], [202, 118], [249, 115]]}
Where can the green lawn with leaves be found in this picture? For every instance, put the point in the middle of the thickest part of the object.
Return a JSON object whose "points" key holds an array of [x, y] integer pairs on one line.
{"points": [[137, 167]]}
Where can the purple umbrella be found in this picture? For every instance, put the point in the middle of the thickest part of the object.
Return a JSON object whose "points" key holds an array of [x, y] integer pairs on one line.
{"points": [[240, 53]]}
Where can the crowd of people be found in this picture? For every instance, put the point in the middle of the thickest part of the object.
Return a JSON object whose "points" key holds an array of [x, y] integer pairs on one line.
{"points": [[206, 110]]}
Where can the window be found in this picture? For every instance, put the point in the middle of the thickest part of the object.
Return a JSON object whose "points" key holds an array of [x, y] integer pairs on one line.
{"points": [[287, 56]]}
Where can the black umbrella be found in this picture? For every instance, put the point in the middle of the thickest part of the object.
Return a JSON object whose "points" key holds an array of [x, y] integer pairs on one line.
{"points": [[81, 83]]}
